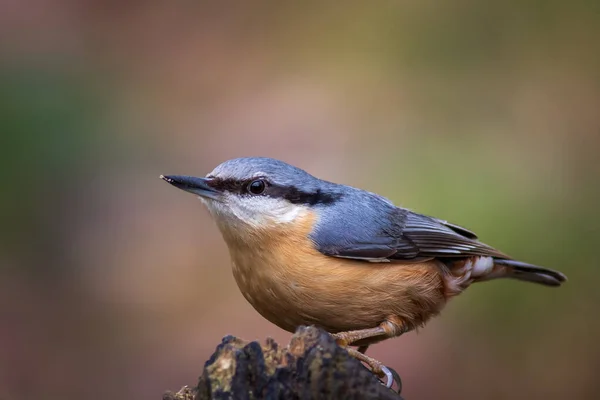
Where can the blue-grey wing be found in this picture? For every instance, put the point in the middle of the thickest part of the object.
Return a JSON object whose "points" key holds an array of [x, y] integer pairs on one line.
{"points": [[378, 231]]}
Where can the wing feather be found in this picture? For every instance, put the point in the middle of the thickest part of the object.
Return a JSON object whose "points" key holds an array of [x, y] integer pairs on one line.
{"points": [[409, 236]]}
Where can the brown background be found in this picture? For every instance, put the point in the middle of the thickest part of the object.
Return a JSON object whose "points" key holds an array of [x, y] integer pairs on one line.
{"points": [[115, 285]]}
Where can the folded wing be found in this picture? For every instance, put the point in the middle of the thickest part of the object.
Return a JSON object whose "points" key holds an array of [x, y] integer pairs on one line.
{"points": [[408, 236]]}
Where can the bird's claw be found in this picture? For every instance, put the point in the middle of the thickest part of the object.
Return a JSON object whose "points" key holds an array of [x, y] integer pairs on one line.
{"points": [[397, 379], [389, 377]]}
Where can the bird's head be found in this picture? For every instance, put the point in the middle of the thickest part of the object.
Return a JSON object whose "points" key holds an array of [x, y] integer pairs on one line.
{"points": [[246, 195]]}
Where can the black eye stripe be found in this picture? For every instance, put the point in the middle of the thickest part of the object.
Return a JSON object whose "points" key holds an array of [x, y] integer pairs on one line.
{"points": [[289, 193], [226, 185], [232, 185], [297, 196]]}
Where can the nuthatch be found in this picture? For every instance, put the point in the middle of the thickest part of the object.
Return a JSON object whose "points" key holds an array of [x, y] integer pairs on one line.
{"points": [[306, 251]]}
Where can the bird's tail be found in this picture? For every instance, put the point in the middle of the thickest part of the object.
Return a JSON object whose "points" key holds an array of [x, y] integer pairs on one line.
{"points": [[530, 273]]}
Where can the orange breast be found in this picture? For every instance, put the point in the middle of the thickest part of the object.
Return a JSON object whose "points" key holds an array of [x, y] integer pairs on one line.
{"points": [[290, 283]]}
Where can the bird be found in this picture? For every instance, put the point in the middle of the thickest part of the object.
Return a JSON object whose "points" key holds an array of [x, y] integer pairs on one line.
{"points": [[306, 251]]}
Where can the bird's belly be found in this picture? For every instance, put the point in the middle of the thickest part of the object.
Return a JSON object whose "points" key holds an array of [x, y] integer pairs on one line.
{"points": [[339, 294]]}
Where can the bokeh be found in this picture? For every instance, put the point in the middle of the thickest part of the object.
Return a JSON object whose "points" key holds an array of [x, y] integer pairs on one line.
{"points": [[115, 285]]}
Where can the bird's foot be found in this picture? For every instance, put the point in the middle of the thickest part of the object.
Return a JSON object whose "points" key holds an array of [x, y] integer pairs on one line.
{"points": [[388, 375]]}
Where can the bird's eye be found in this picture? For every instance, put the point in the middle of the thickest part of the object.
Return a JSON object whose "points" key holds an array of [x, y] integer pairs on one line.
{"points": [[257, 186]]}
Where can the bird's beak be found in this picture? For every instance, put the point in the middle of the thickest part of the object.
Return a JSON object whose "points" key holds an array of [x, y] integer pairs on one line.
{"points": [[197, 186]]}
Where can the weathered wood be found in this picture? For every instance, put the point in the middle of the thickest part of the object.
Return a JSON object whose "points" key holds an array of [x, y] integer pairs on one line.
{"points": [[312, 366]]}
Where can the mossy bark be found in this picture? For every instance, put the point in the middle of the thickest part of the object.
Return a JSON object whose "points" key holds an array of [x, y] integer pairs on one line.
{"points": [[312, 366]]}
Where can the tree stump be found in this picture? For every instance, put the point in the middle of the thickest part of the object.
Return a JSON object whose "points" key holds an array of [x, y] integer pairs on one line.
{"points": [[312, 366]]}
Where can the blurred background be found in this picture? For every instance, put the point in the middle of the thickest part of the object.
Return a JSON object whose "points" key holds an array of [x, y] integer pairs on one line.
{"points": [[115, 285]]}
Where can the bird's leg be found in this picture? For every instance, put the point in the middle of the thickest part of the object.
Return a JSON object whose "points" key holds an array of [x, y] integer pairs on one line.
{"points": [[378, 368], [347, 338]]}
